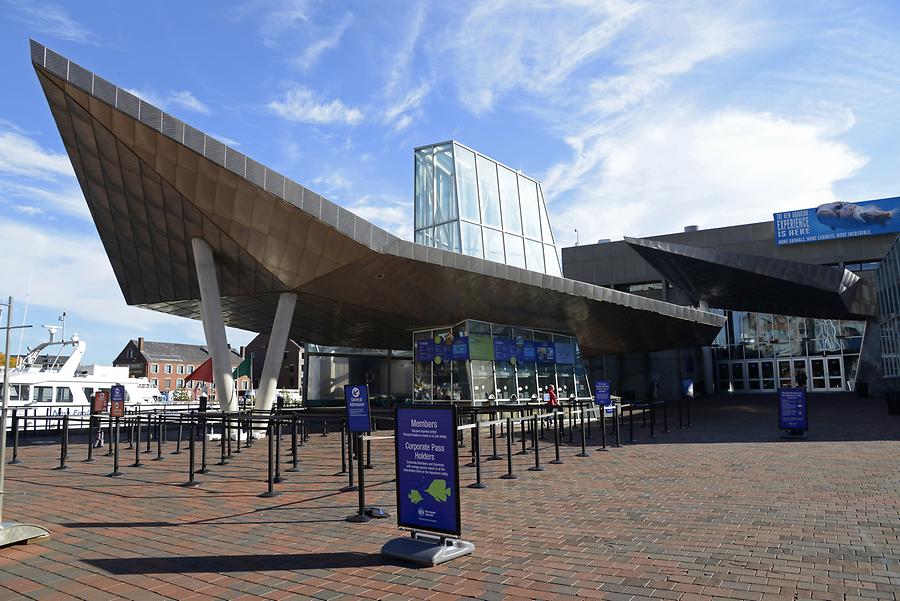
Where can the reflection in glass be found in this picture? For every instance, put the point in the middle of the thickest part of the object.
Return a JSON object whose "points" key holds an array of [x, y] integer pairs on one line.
{"points": [[446, 236], [471, 239], [424, 199], [446, 205], [515, 251], [552, 263], [545, 221], [509, 199], [534, 256], [482, 379], [493, 245], [465, 180], [531, 219], [526, 381], [506, 379], [490, 193]]}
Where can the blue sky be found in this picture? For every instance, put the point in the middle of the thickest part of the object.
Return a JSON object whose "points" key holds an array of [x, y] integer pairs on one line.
{"points": [[639, 117]]}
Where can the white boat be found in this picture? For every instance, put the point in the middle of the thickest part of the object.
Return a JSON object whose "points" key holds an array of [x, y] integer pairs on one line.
{"points": [[50, 381]]}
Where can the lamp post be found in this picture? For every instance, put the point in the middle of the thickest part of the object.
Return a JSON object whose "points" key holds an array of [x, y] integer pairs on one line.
{"points": [[11, 532]]}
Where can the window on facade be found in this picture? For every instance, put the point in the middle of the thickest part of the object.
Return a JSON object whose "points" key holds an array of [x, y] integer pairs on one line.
{"points": [[471, 239], [424, 189], [179, 383], [154, 368], [534, 256], [446, 236], [64, 394], [515, 250], [167, 383], [445, 208], [466, 184], [180, 368], [493, 245], [551, 261], [190, 369], [488, 192], [531, 217], [131, 353], [509, 200], [43, 394], [154, 382], [168, 368]]}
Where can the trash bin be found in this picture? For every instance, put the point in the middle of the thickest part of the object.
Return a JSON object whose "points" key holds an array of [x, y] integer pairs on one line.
{"points": [[862, 390]]}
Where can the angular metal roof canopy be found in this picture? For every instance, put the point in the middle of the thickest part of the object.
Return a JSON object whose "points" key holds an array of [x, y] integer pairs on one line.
{"points": [[153, 183], [741, 282]]}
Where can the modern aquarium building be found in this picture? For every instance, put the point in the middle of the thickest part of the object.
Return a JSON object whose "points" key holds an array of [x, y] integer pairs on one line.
{"points": [[195, 228]]}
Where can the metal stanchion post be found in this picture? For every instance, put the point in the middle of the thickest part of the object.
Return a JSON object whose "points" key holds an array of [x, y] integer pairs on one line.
{"points": [[603, 427], [688, 401], [270, 491], [360, 515], [665, 405], [278, 477], [63, 443], [583, 405], [177, 450], [350, 486], [325, 428], [191, 455], [222, 460], [522, 427], [15, 426], [116, 473], [537, 450], [201, 423], [295, 467], [109, 435], [476, 446], [584, 451], [680, 423], [631, 423], [343, 451], [495, 456], [652, 421], [149, 431], [509, 475], [160, 428], [226, 432], [90, 440], [129, 424], [369, 465], [617, 419], [137, 444], [556, 428]]}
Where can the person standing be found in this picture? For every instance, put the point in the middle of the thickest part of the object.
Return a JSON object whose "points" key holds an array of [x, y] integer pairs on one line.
{"points": [[801, 378]]}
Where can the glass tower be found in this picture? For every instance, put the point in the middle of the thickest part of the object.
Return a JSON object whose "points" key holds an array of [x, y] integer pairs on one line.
{"points": [[468, 203]]}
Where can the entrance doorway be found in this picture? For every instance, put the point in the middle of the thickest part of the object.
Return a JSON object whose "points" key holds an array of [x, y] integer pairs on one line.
{"points": [[826, 374]]}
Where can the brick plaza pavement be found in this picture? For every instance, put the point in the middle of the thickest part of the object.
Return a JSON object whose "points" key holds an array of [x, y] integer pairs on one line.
{"points": [[724, 509]]}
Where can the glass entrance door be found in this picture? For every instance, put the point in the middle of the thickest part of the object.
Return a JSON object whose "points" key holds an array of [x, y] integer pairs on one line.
{"points": [[800, 368], [768, 374], [827, 373], [785, 375]]}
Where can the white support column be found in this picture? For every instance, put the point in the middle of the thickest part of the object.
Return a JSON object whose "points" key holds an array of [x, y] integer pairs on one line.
{"points": [[214, 325], [268, 382]]}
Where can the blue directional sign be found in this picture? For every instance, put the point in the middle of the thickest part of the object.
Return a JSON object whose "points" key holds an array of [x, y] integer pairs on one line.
{"points": [[792, 409], [358, 417], [601, 393], [427, 468], [117, 393]]}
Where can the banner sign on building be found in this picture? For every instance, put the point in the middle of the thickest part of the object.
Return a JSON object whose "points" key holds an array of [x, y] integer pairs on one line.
{"points": [[565, 353], [792, 409], [460, 348], [481, 347], [358, 417], [836, 220], [504, 349], [546, 352], [424, 350], [601, 393], [427, 468]]}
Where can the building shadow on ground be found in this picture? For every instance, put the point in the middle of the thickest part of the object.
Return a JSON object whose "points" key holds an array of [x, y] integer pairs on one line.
{"points": [[238, 563]]}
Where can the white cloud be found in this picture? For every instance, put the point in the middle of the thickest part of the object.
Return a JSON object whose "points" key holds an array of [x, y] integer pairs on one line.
{"points": [[284, 17], [186, 100], [22, 156], [63, 198], [711, 170], [299, 104], [50, 19], [182, 99], [310, 56], [332, 182], [401, 114], [389, 214]]}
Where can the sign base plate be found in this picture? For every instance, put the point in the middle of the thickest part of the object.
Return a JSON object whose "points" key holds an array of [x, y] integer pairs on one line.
{"points": [[426, 551]]}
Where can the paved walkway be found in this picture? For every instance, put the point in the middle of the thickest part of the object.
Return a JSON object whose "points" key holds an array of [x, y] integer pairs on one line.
{"points": [[724, 509]]}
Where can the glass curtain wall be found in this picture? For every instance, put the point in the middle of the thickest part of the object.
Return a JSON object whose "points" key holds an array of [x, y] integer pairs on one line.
{"points": [[475, 360], [759, 352], [466, 202], [887, 283]]}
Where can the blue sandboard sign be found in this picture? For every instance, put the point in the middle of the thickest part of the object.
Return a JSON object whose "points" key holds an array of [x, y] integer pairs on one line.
{"points": [[358, 417], [601, 393], [427, 468], [792, 409], [117, 393]]}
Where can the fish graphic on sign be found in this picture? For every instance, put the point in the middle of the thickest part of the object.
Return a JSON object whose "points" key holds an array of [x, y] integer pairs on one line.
{"points": [[850, 216]]}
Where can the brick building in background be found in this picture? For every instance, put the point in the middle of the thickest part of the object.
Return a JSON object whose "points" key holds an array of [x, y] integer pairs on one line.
{"points": [[290, 376], [167, 364]]}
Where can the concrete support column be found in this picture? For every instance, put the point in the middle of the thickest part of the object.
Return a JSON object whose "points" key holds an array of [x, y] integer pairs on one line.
{"points": [[214, 325], [709, 378], [268, 382]]}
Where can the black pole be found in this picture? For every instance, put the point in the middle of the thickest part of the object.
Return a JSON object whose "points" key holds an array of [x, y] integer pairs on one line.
{"points": [[325, 429], [350, 451], [240, 427], [137, 444], [177, 450], [278, 477], [603, 427], [109, 435], [688, 401], [476, 446], [522, 426], [556, 428], [617, 409], [90, 441], [149, 431], [631, 422], [343, 451], [226, 432], [201, 423], [495, 456], [63, 442], [129, 423], [537, 450], [222, 460], [295, 467], [360, 515], [369, 465], [116, 473], [584, 451], [15, 426], [160, 428], [270, 491], [509, 475], [665, 405], [191, 455], [583, 405], [680, 423], [652, 421], [571, 422]]}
